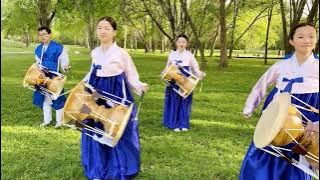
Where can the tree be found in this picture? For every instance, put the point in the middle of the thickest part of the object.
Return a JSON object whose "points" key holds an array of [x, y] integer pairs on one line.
{"points": [[296, 9], [284, 27], [16, 23], [90, 10], [267, 33], [46, 11], [168, 9], [223, 62], [236, 5], [260, 15], [196, 31], [313, 12]]}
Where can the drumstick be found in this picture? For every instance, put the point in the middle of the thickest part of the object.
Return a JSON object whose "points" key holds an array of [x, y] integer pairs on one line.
{"points": [[139, 106], [200, 90], [204, 67], [309, 106]]}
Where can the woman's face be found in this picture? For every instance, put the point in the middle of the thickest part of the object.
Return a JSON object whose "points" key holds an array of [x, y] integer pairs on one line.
{"points": [[105, 31], [181, 43], [304, 39]]}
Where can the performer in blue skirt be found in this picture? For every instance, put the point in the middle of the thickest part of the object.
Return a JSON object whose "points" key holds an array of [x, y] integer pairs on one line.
{"points": [[51, 55], [112, 71], [297, 74], [177, 110]]}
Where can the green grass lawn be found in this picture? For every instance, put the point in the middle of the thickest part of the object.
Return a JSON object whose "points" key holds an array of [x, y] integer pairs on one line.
{"points": [[212, 149]]}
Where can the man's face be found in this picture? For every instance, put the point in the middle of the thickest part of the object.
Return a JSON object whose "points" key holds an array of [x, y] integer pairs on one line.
{"points": [[44, 36]]}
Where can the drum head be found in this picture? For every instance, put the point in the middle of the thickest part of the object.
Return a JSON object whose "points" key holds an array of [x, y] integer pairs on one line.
{"points": [[169, 69], [32, 75], [272, 120], [74, 102]]}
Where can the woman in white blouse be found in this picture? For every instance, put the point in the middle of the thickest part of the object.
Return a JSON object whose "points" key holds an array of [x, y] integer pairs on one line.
{"points": [[176, 114], [112, 71], [298, 74]]}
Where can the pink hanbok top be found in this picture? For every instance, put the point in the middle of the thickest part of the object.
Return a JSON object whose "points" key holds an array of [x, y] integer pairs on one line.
{"points": [[115, 61], [186, 58], [285, 69]]}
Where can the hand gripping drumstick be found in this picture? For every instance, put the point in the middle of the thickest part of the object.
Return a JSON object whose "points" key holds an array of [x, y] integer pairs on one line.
{"points": [[139, 106]]}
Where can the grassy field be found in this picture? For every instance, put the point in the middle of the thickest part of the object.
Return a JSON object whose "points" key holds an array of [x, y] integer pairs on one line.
{"points": [[212, 149]]}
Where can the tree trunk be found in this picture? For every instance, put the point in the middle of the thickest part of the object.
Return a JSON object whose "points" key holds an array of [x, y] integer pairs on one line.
{"points": [[44, 12], [45, 15], [313, 12], [297, 14], [87, 7], [214, 41], [195, 32], [223, 62], [235, 15], [183, 20], [173, 44], [146, 48], [135, 41], [131, 41], [202, 59], [212, 50], [125, 35], [284, 28], [267, 34], [162, 43], [27, 38], [153, 43]]}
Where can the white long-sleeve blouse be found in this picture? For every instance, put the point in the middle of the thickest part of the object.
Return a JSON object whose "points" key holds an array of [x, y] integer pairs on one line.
{"points": [[115, 61], [184, 58], [280, 74]]}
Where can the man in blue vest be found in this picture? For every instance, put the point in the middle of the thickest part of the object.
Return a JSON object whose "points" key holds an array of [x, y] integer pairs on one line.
{"points": [[51, 55]]}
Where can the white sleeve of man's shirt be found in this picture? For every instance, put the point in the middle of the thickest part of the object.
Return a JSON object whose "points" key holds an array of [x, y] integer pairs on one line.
{"points": [[63, 59]]}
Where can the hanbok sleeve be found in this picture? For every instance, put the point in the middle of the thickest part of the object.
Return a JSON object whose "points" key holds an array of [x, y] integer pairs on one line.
{"points": [[87, 77], [167, 65], [37, 59], [259, 90], [194, 66], [132, 74], [64, 60]]}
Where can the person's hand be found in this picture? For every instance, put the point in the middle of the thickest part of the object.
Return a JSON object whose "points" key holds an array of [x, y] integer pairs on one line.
{"points": [[66, 68], [247, 112], [145, 87], [203, 74], [246, 115]]}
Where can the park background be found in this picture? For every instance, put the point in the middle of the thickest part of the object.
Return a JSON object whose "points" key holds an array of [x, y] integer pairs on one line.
{"points": [[235, 42]]}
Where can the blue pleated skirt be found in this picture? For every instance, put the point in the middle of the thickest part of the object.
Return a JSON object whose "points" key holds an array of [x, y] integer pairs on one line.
{"points": [[101, 161], [260, 165], [176, 113]]}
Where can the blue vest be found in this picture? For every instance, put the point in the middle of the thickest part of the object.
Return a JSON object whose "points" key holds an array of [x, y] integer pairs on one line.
{"points": [[50, 61], [50, 56]]}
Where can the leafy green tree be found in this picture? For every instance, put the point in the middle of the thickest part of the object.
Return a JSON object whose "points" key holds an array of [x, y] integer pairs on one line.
{"points": [[18, 19]]}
